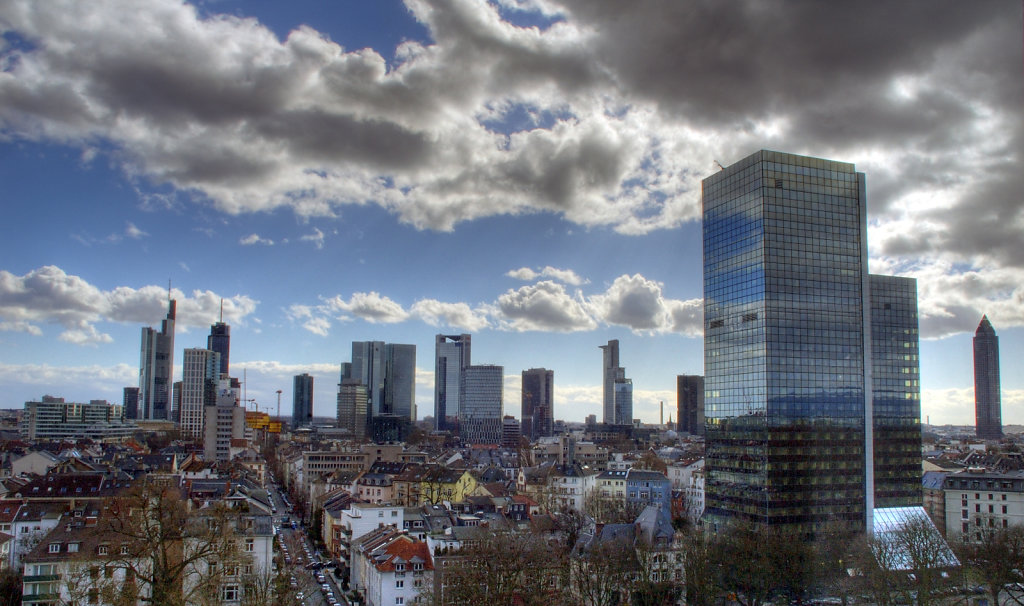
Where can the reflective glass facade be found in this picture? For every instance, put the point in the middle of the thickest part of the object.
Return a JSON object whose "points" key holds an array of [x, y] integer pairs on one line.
{"points": [[987, 400], [896, 392], [786, 354], [452, 354]]}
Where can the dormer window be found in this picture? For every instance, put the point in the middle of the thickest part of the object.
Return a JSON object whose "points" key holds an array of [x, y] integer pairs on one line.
{"points": [[73, 547], [399, 567], [102, 550], [54, 548]]}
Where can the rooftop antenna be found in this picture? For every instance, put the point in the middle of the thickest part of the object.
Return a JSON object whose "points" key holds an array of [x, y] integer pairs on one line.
{"points": [[222, 310], [168, 289], [719, 165]]}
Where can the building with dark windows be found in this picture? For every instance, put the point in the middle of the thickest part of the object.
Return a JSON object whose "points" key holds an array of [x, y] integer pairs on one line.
{"points": [[353, 403], [452, 354], [537, 413], [156, 369], [200, 371], [895, 392], [690, 404], [219, 341], [789, 347], [480, 412], [302, 400], [988, 413], [131, 402]]}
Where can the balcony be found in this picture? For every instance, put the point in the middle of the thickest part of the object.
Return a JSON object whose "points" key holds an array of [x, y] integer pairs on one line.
{"points": [[41, 578]]}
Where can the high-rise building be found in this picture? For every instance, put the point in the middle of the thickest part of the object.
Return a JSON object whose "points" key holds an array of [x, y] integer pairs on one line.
{"points": [[537, 415], [788, 348], [200, 370], [219, 341], [302, 400], [452, 354], [156, 369], [131, 402], [610, 371], [895, 391], [353, 403], [480, 411], [690, 404], [623, 401], [988, 413], [389, 372]]}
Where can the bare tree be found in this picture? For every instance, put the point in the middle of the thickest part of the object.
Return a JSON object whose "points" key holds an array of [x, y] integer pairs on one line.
{"points": [[996, 560], [603, 573]]}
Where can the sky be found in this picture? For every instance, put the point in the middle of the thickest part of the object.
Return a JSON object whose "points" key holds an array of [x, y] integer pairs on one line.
{"points": [[527, 171]]}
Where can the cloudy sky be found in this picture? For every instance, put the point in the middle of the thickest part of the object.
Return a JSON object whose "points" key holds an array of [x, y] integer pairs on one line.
{"points": [[524, 170]]}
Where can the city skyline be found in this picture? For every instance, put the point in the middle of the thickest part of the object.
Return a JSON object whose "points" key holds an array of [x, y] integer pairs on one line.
{"points": [[525, 172]]}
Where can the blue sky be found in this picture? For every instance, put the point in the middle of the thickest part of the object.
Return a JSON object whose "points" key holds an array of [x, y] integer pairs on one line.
{"points": [[524, 170]]}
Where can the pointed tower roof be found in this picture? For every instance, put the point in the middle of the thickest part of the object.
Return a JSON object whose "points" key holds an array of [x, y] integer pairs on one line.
{"points": [[984, 327]]}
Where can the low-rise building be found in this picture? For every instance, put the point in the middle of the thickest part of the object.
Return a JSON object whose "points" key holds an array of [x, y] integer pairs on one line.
{"points": [[979, 500]]}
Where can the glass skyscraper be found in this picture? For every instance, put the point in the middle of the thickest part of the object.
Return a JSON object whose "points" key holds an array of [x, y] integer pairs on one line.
{"points": [[452, 355], [987, 400], [788, 343], [302, 400]]}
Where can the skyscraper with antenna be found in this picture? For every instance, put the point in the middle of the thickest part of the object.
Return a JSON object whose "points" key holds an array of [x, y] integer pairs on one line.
{"points": [[156, 367], [220, 340]]}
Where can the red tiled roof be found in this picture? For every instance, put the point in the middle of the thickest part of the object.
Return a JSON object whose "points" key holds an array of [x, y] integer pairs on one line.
{"points": [[405, 550]]}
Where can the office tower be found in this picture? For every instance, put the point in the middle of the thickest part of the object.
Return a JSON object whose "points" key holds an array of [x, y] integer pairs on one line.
{"points": [[480, 411], [220, 342], [131, 402], [452, 354], [200, 370], [788, 346], [353, 405], [690, 404], [896, 392], [623, 401], [156, 369], [400, 380], [302, 400], [537, 417], [368, 367], [511, 431], [610, 372], [988, 413], [389, 372], [224, 427]]}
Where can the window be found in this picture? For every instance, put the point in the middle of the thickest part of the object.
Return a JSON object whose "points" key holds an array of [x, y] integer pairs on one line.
{"points": [[991, 509], [54, 548], [399, 600], [977, 507], [73, 547], [101, 550], [399, 584], [124, 550], [249, 545], [394, 514], [399, 567], [1004, 508], [230, 592]]}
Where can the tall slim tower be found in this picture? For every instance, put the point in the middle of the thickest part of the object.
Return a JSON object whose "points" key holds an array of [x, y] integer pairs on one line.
{"points": [[156, 369], [302, 400], [368, 367], [452, 355], [690, 404], [987, 400], [220, 341], [537, 414], [788, 348], [400, 380], [610, 371]]}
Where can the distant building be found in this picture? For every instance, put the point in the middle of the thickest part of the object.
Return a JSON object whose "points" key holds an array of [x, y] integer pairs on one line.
{"points": [[156, 369], [481, 410], [302, 400], [987, 400], [623, 401], [617, 389], [537, 403], [219, 341], [510, 432], [131, 402], [452, 355], [55, 419], [353, 404], [389, 372], [200, 370], [690, 404]]}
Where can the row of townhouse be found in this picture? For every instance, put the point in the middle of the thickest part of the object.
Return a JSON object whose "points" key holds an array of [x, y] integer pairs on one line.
{"points": [[579, 488]]}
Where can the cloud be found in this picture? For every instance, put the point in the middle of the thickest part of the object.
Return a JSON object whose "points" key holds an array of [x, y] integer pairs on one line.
{"points": [[567, 276], [455, 315], [372, 307], [638, 303], [317, 238], [134, 232], [252, 239], [49, 295], [544, 306], [955, 406]]}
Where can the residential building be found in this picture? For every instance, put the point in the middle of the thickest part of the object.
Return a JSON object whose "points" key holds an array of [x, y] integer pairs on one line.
{"points": [[302, 400], [200, 370], [690, 404], [55, 419], [537, 416], [156, 369], [979, 501], [389, 568], [987, 400], [789, 345], [224, 431], [645, 487], [452, 354], [480, 408]]}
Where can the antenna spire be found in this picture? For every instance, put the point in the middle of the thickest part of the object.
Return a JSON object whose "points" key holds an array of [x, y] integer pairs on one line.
{"points": [[222, 310]]}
